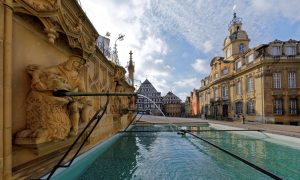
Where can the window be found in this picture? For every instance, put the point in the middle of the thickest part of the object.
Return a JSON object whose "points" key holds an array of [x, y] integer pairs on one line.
{"points": [[250, 85], [241, 48], [278, 108], [292, 80], [250, 58], [275, 51], [224, 71], [290, 50], [216, 93], [238, 108], [224, 91], [216, 75], [228, 53], [239, 88], [250, 107], [276, 80], [238, 64], [293, 106]]}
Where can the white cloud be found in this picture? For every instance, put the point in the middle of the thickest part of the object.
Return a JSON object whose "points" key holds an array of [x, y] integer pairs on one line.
{"points": [[183, 95], [203, 24], [207, 46], [186, 82], [126, 18], [288, 9], [158, 61], [202, 66], [183, 83]]}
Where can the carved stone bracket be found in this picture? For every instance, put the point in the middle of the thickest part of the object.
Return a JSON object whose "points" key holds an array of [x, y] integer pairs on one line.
{"points": [[65, 17], [52, 34]]}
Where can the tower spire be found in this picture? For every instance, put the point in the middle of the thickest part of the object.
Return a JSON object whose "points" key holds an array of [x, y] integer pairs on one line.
{"points": [[131, 68], [130, 56]]}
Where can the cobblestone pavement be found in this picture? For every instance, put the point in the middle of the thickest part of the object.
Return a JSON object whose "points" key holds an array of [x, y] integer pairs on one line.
{"points": [[286, 130]]}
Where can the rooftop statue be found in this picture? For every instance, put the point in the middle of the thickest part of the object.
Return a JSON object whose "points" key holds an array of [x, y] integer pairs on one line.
{"points": [[48, 117]]}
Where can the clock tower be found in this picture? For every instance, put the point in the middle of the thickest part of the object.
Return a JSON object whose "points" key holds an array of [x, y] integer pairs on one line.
{"points": [[237, 42]]}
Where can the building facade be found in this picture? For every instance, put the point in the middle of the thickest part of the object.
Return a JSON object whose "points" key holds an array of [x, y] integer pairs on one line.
{"points": [[260, 83], [172, 105], [195, 110], [150, 100], [187, 107]]}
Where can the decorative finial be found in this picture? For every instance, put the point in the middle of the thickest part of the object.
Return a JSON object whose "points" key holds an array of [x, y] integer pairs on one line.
{"points": [[234, 13], [235, 19]]}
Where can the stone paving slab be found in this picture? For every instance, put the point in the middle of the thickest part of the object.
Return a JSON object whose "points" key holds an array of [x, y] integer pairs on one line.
{"points": [[286, 130]]}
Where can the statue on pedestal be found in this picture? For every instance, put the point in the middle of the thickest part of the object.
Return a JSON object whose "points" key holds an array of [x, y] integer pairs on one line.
{"points": [[48, 117]]}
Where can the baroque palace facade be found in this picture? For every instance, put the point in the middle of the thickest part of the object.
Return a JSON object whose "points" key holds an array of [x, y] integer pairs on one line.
{"points": [[260, 83]]}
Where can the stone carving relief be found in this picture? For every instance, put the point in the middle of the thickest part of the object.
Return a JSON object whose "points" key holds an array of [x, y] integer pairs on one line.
{"points": [[48, 117], [41, 5], [118, 85], [61, 17]]}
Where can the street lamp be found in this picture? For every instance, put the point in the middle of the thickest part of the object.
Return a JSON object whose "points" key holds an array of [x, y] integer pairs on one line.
{"points": [[120, 38]]}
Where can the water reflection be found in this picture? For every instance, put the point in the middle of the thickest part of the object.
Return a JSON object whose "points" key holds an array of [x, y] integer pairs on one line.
{"points": [[167, 155]]}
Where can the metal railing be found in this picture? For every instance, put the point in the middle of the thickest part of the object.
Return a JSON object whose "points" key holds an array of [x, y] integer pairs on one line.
{"points": [[96, 118]]}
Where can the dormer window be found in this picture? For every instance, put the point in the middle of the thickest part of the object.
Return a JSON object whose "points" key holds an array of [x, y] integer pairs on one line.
{"points": [[216, 75], [250, 58], [238, 64], [290, 50], [275, 51], [224, 71], [241, 48]]}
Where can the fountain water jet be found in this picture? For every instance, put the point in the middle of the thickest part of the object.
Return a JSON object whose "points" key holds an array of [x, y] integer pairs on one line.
{"points": [[152, 103]]}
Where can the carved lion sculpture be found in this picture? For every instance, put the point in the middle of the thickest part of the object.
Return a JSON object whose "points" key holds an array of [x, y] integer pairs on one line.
{"points": [[49, 117]]}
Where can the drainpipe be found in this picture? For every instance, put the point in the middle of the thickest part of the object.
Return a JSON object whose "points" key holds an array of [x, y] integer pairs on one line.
{"points": [[7, 90]]}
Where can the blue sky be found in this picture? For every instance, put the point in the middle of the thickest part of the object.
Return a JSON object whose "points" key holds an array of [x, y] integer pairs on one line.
{"points": [[173, 41]]}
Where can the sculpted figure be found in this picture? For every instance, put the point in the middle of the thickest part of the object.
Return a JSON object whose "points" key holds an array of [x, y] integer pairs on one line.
{"points": [[49, 117], [117, 86]]}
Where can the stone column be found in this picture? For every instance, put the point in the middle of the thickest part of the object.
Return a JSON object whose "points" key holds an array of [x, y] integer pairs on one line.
{"points": [[6, 90]]}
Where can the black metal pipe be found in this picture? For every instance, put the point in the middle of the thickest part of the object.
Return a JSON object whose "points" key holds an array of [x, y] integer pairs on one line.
{"points": [[274, 176], [96, 117], [61, 93]]}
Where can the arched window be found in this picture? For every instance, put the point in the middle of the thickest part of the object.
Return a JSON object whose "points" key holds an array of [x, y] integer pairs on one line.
{"points": [[241, 48], [228, 53]]}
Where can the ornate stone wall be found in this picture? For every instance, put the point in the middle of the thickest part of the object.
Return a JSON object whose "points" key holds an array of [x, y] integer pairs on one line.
{"points": [[37, 127]]}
